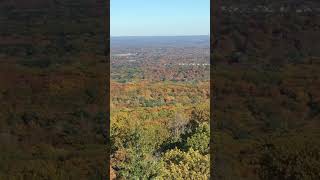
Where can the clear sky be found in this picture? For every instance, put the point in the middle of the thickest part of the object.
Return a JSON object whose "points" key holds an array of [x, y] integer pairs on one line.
{"points": [[159, 17]]}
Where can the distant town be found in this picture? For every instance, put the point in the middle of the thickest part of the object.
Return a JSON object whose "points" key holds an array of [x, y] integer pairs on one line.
{"points": [[175, 61]]}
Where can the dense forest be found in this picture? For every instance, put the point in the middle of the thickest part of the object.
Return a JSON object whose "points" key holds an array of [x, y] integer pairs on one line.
{"points": [[52, 89], [266, 91], [160, 113], [265, 88]]}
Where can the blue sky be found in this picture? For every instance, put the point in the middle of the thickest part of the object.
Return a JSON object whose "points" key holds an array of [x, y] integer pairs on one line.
{"points": [[159, 17]]}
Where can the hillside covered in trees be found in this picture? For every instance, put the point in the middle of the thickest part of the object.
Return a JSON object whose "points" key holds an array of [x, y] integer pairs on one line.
{"points": [[160, 108], [266, 90], [52, 90]]}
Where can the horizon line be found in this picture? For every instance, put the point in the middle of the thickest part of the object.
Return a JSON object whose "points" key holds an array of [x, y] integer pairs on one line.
{"points": [[158, 35]]}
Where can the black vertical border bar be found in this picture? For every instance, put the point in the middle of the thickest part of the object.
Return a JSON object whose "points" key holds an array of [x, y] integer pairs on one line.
{"points": [[214, 25], [107, 56]]}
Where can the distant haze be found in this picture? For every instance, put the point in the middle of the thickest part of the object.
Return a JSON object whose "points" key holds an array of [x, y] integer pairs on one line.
{"points": [[160, 41]]}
